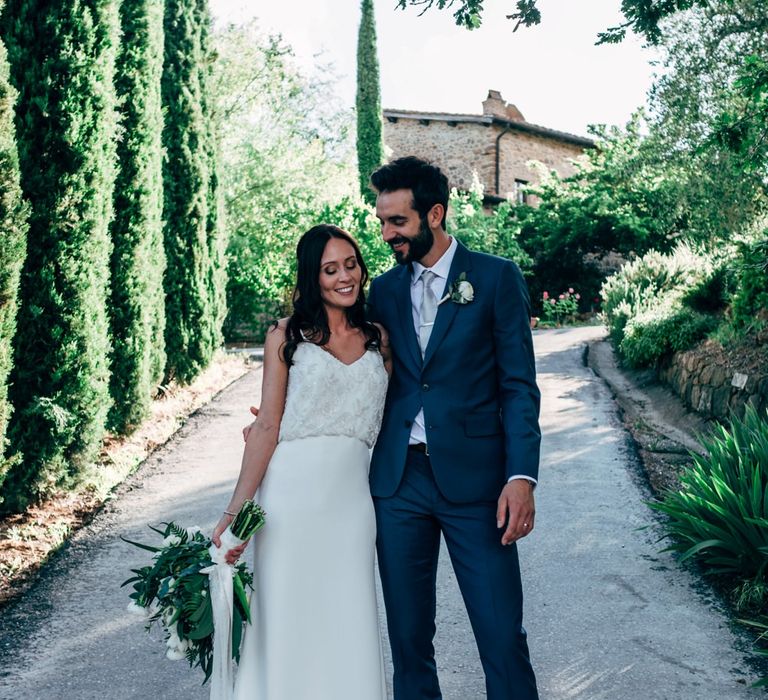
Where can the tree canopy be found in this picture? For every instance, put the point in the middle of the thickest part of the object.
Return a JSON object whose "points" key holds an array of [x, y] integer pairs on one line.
{"points": [[642, 16]]}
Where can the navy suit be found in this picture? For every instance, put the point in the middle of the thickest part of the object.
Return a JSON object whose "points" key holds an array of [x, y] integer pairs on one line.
{"points": [[478, 389]]}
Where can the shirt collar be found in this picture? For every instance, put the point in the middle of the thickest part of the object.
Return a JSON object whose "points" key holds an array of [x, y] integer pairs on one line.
{"points": [[441, 268]]}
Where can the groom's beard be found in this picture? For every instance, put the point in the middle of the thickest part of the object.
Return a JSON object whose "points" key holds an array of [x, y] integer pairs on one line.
{"points": [[418, 246]]}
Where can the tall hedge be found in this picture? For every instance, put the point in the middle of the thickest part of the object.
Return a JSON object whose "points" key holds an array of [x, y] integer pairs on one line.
{"points": [[217, 238], [192, 331], [369, 143], [13, 234], [62, 58], [138, 259]]}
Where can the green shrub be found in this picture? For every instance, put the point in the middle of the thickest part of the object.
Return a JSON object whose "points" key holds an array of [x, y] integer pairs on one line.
{"points": [[711, 293], [752, 294], [663, 328], [496, 232], [720, 514], [656, 304]]}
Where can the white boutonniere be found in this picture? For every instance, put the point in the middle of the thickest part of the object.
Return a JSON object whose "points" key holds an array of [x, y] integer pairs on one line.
{"points": [[460, 291]]}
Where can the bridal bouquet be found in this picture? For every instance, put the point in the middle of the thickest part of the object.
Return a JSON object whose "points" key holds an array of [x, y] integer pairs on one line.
{"points": [[179, 587]]}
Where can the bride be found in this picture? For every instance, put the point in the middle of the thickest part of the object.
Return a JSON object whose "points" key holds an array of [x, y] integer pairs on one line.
{"points": [[314, 632]]}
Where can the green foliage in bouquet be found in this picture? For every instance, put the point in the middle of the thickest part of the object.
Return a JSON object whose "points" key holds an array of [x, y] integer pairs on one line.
{"points": [[720, 514], [174, 592]]}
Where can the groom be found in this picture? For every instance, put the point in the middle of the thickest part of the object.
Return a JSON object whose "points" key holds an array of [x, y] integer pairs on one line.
{"points": [[458, 450]]}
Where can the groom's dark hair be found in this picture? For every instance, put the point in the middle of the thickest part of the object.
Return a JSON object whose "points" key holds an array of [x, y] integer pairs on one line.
{"points": [[427, 182]]}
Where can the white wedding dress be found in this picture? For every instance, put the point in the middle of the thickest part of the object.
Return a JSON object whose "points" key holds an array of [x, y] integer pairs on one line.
{"points": [[314, 632]]}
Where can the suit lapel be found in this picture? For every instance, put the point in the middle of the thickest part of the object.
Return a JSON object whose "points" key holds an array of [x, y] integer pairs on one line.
{"points": [[404, 309], [447, 311]]}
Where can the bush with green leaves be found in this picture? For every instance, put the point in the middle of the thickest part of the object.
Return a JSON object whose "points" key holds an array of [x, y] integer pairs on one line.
{"points": [[620, 203], [719, 516], [750, 301], [560, 308], [496, 232], [655, 293], [665, 327]]}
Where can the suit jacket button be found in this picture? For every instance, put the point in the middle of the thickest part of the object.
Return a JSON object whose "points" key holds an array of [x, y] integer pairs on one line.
{"points": [[425, 387]]}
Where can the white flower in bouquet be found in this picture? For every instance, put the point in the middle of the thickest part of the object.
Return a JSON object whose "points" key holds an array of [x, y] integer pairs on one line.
{"points": [[137, 610], [171, 541]]}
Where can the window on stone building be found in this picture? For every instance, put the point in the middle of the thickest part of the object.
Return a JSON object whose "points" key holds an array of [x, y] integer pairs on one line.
{"points": [[521, 196]]}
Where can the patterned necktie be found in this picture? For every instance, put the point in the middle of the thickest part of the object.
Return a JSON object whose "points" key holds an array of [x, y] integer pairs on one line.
{"points": [[428, 309]]}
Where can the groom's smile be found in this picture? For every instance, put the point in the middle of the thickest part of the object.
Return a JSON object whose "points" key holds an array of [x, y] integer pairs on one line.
{"points": [[402, 229]]}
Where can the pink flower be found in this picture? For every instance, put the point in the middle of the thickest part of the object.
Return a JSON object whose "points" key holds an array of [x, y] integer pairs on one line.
{"points": [[570, 290], [562, 296], [545, 296], [552, 301], [578, 296]]}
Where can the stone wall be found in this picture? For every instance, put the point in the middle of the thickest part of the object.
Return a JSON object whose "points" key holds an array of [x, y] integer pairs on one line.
{"points": [[461, 148], [713, 385], [465, 144]]}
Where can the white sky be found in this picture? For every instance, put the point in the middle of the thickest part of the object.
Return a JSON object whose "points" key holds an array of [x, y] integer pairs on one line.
{"points": [[554, 73]]}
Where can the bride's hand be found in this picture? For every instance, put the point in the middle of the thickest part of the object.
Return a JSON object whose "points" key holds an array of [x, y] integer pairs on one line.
{"points": [[236, 552], [247, 428]]}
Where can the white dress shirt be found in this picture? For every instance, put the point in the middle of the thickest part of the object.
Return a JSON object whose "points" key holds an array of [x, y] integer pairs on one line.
{"points": [[441, 270]]}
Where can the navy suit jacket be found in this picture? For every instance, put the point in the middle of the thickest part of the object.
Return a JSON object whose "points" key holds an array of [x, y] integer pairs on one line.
{"points": [[476, 382]]}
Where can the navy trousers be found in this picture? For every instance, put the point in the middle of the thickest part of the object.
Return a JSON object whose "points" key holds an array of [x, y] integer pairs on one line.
{"points": [[408, 542]]}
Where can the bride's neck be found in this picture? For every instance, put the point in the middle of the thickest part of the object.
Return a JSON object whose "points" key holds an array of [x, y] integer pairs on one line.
{"points": [[337, 320]]}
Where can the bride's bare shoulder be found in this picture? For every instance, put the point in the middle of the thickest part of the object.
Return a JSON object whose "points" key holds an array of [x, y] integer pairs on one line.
{"points": [[278, 328]]}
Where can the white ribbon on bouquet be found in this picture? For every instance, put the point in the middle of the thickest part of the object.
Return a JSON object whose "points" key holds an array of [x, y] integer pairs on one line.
{"points": [[222, 601]]}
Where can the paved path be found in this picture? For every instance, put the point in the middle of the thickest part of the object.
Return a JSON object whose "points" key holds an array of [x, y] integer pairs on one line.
{"points": [[609, 617]]}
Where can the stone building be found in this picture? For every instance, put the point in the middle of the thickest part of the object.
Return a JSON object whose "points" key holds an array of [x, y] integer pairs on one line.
{"points": [[497, 145]]}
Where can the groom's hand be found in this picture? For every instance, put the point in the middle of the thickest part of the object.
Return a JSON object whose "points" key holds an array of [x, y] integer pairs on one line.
{"points": [[247, 428], [517, 509]]}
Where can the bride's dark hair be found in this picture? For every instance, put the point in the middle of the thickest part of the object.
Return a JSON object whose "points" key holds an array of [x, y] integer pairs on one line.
{"points": [[309, 319]]}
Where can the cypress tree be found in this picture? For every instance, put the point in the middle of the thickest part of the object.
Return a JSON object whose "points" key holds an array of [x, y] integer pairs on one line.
{"points": [[138, 259], [13, 228], [190, 331], [62, 64], [369, 143], [217, 239]]}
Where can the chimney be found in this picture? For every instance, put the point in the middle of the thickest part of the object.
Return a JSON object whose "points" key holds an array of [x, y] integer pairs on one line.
{"points": [[495, 106]]}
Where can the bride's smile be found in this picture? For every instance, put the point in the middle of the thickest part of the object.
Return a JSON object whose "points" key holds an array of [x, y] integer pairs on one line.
{"points": [[340, 274]]}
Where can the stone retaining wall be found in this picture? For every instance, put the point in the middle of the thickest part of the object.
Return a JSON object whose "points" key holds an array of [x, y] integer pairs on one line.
{"points": [[713, 386]]}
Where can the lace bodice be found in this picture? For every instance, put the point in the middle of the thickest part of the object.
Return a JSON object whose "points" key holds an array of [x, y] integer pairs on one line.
{"points": [[327, 397]]}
